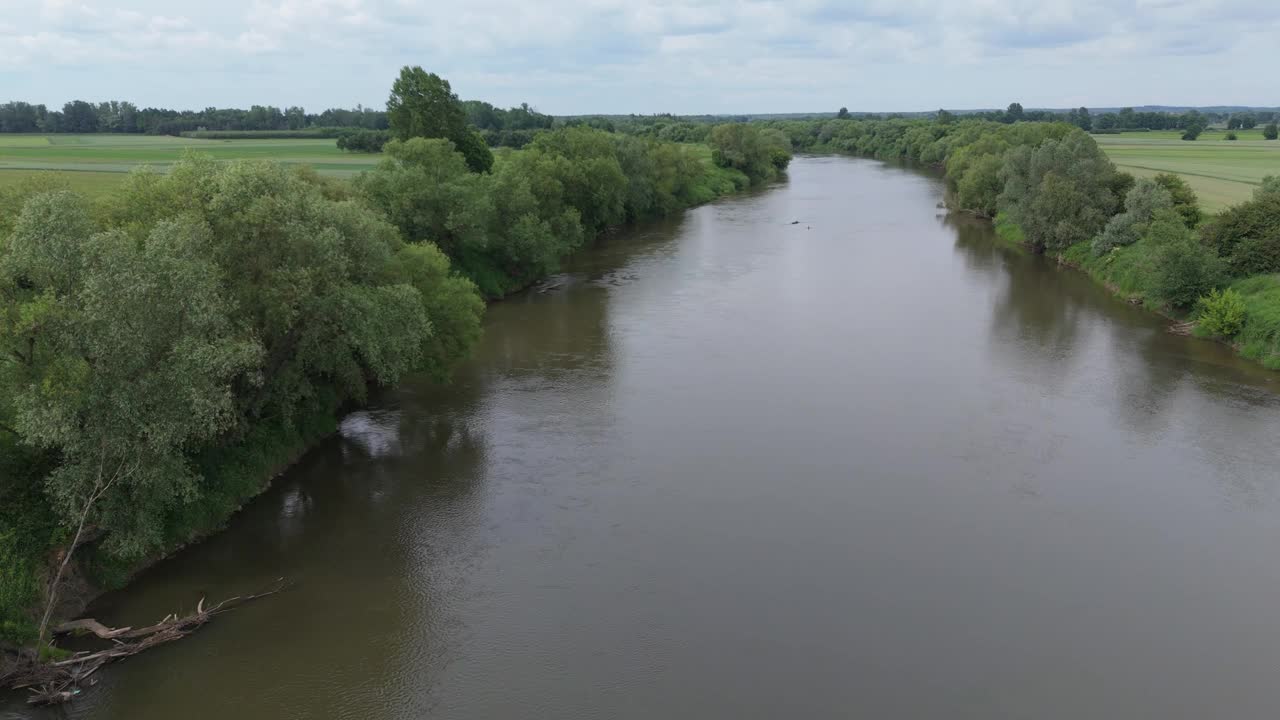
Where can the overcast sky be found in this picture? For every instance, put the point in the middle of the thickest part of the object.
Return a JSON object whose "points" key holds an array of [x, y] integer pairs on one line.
{"points": [[644, 56]]}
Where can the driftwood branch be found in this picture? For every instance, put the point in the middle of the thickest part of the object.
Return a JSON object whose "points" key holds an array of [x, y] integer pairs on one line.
{"points": [[60, 680], [100, 488], [90, 625]]}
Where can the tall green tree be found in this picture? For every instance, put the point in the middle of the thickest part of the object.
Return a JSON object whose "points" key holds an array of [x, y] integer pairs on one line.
{"points": [[1061, 192], [422, 104]]}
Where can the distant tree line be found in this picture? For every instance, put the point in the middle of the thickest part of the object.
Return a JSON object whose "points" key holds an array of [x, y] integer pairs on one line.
{"points": [[79, 116], [513, 127], [694, 128]]}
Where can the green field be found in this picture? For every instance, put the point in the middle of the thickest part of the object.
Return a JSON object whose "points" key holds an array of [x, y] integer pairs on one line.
{"points": [[1222, 172], [96, 163]]}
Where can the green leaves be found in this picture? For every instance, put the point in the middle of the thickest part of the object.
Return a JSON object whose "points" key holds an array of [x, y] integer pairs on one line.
{"points": [[212, 299], [1060, 191], [760, 154], [423, 105]]}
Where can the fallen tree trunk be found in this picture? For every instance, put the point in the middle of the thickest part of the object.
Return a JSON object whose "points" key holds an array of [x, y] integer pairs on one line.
{"points": [[58, 681]]}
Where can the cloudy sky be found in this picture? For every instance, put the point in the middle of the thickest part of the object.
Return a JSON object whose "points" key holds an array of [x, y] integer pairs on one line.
{"points": [[618, 56]]}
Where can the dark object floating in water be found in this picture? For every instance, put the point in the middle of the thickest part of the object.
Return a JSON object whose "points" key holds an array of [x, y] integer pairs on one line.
{"points": [[795, 222]]}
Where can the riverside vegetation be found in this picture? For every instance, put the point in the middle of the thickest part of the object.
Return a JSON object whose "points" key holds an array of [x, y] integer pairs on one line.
{"points": [[1049, 186], [167, 347]]}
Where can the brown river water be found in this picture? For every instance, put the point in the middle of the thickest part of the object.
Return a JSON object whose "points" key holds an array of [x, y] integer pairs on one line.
{"points": [[874, 464]]}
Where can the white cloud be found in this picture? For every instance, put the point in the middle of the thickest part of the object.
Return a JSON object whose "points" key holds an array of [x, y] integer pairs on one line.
{"points": [[644, 55]]}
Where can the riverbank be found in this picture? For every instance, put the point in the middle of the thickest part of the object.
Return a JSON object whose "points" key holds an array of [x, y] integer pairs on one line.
{"points": [[609, 490], [1051, 186], [229, 477]]}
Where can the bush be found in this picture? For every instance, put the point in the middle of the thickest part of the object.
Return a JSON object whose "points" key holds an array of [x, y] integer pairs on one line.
{"points": [[1182, 269], [1141, 204], [1220, 313], [1248, 235], [1232, 135], [1184, 198], [1259, 339], [361, 140], [1271, 132], [759, 154]]}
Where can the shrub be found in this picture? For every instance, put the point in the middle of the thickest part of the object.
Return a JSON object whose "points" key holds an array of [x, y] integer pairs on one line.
{"points": [[1271, 132], [1184, 198], [1260, 338], [1140, 205], [1182, 269], [1248, 235], [1232, 136], [361, 140], [1220, 313]]}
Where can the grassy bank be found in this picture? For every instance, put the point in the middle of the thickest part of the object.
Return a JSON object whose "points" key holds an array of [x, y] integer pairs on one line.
{"points": [[1130, 273]]}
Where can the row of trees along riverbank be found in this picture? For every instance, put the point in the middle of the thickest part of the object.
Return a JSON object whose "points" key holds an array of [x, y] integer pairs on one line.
{"points": [[1048, 185], [165, 350]]}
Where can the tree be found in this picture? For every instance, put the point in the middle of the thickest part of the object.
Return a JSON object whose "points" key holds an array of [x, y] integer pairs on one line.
{"points": [[1248, 121], [742, 146], [1140, 206], [423, 105], [1182, 268], [1081, 119], [1060, 192], [1192, 132], [1248, 235], [129, 359], [79, 116], [843, 114], [944, 117], [1014, 113], [1184, 198], [1271, 131], [425, 189]]}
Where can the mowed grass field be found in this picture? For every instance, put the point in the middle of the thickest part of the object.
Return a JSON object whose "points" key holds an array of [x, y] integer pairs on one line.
{"points": [[95, 163], [1222, 172]]}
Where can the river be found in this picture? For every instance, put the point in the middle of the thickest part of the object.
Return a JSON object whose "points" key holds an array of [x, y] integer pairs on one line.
{"points": [[872, 464]]}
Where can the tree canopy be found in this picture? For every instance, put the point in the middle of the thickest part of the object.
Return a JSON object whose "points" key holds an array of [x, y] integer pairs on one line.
{"points": [[422, 104]]}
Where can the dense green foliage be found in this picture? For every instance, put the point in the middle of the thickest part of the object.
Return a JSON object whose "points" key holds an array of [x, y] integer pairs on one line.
{"points": [[422, 104], [360, 140], [1271, 131], [1221, 314], [1248, 235], [78, 116], [758, 154], [166, 349], [1140, 206], [508, 227], [1182, 196], [177, 321], [1049, 187]]}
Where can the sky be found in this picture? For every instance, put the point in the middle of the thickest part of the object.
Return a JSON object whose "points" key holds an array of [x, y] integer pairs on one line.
{"points": [[647, 56]]}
